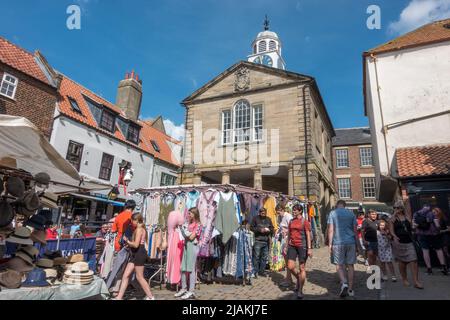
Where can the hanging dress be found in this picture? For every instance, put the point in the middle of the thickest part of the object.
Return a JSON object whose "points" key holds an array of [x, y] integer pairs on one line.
{"points": [[207, 208], [166, 206], [226, 219], [175, 247], [152, 209], [270, 205]]}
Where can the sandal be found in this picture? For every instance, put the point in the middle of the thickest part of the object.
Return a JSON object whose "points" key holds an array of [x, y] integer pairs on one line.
{"points": [[418, 286]]}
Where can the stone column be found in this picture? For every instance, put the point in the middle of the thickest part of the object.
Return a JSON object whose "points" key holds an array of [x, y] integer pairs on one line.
{"points": [[197, 177], [291, 181], [225, 176], [257, 178]]}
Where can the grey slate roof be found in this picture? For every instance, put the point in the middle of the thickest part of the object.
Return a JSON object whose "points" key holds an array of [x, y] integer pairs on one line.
{"points": [[352, 136]]}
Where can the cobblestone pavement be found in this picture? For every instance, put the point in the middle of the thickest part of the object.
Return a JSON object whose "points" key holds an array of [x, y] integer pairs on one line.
{"points": [[322, 283]]}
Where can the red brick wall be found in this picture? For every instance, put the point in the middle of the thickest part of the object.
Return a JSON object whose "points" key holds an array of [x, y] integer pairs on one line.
{"points": [[33, 100], [355, 170]]}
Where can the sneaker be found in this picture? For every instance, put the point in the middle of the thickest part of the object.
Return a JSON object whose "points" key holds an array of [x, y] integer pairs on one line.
{"points": [[188, 295], [180, 293], [384, 278], [444, 270], [351, 293], [152, 298], [429, 271], [394, 279], [344, 291]]}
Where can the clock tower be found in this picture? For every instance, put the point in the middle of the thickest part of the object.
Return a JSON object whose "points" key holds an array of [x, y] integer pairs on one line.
{"points": [[267, 49]]}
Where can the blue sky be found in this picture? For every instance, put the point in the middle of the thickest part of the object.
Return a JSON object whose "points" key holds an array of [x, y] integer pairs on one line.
{"points": [[176, 46]]}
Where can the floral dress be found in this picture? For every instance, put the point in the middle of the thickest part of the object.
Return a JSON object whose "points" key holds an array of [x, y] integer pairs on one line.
{"points": [[384, 248]]}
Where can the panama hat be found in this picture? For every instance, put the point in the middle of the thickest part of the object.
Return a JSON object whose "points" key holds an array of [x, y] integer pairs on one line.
{"points": [[6, 213], [15, 186], [44, 263], [79, 273], [42, 179], [49, 200], [21, 235], [59, 261], [39, 236], [36, 278], [36, 222], [10, 279], [75, 258], [51, 273], [28, 254], [18, 264]]}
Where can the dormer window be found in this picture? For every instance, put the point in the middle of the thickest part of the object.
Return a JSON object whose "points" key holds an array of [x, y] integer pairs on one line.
{"points": [[108, 121], [272, 45], [133, 134], [155, 146], [74, 105], [262, 47]]}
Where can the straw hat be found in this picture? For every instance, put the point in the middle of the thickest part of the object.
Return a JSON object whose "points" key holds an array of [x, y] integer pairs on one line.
{"points": [[49, 200], [44, 263], [36, 278], [10, 279], [18, 264], [51, 273], [39, 236], [21, 236], [15, 186], [59, 261], [42, 179], [76, 258], [37, 222], [79, 273], [6, 213], [28, 254]]}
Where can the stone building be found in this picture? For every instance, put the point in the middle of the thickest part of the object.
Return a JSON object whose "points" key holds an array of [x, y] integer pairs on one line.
{"points": [[354, 169], [258, 125]]}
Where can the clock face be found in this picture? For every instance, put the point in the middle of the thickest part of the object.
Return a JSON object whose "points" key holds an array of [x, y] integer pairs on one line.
{"points": [[267, 61]]}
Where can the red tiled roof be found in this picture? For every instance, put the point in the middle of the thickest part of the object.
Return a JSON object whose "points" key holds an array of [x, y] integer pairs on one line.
{"points": [[424, 161], [21, 60], [430, 33], [70, 88]]}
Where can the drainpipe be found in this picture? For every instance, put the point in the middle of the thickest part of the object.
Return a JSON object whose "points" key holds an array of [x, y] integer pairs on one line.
{"points": [[184, 143], [384, 128]]}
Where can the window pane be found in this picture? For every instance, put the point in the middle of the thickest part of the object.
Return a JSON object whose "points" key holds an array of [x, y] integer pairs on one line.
{"points": [[344, 188], [262, 46], [257, 122], [8, 86], [365, 155], [133, 134], [107, 121], [242, 121], [106, 166], [74, 154], [95, 109], [342, 158], [226, 126], [272, 45], [368, 187], [74, 105]]}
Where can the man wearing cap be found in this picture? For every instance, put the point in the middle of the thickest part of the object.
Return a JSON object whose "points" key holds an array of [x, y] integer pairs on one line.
{"points": [[122, 222]]}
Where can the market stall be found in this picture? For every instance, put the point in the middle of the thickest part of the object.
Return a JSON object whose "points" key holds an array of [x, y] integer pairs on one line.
{"points": [[33, 175]]}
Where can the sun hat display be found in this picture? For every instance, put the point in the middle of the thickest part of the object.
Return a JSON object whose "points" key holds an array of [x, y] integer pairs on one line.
{"points": [[31, 200], [39, 236], [52, 254], [18, 264], [36, 222], [42, 179], [79, 273], [51, 273], [21, 235], [28, 254], [59, 261], [44, 263], [10, 279], [49, 200], [15, 186], [75, 258], [36, 278], [6, 213]]}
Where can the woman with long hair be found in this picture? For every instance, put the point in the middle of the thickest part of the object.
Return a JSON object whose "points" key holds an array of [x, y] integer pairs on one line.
{"points": [[138, 258], [191, 233], [400, 226]]}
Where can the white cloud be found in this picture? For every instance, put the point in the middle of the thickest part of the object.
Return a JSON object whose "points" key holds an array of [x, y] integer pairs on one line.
{"points": [[194, 83], [418, 13], [176, 132]]}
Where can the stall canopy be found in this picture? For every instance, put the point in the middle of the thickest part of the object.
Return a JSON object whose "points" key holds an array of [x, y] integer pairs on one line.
{"points": [[24, 150], [83, 196]]}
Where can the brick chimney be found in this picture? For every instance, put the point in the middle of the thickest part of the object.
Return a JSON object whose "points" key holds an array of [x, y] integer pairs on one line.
{"points": [[129, 95]]}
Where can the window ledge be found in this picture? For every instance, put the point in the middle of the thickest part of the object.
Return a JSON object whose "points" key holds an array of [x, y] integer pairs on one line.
{"points": [[6, 96], [241, 143]]}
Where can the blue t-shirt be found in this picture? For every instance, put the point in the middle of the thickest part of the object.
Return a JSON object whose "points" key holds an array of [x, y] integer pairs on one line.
{"points": [[74, 229], [344, 222]]}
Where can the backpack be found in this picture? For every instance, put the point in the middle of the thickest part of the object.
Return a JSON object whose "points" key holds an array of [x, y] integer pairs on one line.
{"points": [[422, 221]]}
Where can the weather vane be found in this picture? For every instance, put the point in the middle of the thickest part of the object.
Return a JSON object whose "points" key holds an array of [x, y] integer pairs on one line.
{"points": [[266, 23]]}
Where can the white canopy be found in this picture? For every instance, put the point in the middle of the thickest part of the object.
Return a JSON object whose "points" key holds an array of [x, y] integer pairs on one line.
{"points": [[24, 147]]}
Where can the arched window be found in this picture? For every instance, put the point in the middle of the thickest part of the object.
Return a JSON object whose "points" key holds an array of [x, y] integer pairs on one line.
{"points": [[242, 121], [272, 45], [262, 46]]}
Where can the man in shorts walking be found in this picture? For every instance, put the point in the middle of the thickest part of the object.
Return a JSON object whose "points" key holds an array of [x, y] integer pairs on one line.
{"points": [[343, 235]]}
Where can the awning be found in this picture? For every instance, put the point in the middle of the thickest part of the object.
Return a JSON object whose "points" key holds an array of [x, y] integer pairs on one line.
{"points": [[24, 148], [83, 196]]}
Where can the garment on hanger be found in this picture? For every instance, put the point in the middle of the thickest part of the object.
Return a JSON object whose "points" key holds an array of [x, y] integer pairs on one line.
{"points": [[180, 202], [270, 205], [255, 205], [242, 205], [207, 207], [244, 264], [226, 218], [166, 206], [277, 262], [192, 198], [229, 265], [152, 209], [175, 247]]}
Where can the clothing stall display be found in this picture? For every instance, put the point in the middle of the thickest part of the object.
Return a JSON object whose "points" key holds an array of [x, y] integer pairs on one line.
{"points": [[226, 218], [175, 247], [270, 204], [166, 206]]}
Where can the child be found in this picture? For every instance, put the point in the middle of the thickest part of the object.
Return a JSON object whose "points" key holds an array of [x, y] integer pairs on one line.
{"points": [[385, 250]]}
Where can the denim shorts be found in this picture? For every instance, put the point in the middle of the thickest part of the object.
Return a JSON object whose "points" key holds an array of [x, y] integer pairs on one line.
{"points": [[343, 254]]}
